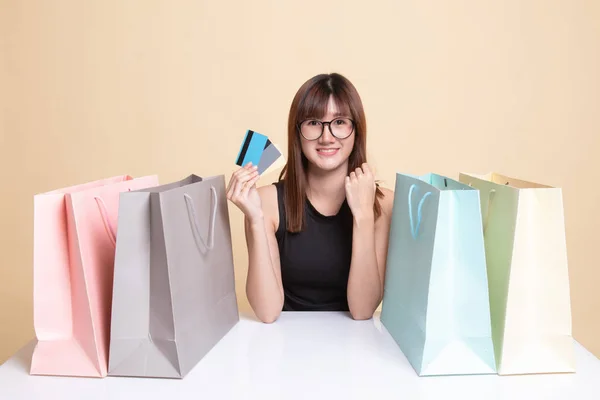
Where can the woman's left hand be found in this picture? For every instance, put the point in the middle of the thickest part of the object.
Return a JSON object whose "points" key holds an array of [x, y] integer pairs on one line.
{"points": [[360, 192]]}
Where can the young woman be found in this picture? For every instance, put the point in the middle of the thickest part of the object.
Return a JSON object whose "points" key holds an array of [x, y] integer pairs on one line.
{"points": [[317, 239]]}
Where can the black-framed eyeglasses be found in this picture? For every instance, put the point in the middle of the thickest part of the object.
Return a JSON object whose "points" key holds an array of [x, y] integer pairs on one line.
{"points": [[312, 129]]}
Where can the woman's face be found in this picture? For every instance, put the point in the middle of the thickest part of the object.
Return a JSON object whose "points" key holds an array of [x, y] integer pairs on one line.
{"points": [[328, 153]]}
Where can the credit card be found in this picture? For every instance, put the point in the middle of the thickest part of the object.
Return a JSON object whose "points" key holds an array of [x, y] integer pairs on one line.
{"points": [[252, 148], [279, 163], [269, 156]]}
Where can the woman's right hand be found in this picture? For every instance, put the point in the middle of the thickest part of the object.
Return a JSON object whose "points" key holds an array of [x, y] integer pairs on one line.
{"points": [[243, 193]]}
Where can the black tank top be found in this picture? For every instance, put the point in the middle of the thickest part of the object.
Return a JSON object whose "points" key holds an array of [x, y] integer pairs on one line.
{"points": [[315, 263]]}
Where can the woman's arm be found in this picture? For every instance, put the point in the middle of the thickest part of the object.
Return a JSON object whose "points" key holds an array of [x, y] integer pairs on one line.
{"points": [[261, 218], [263, 285], [369, 250]]}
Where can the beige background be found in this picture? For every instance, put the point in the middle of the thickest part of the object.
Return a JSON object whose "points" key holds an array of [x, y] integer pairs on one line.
{"points": [[90, 89]]}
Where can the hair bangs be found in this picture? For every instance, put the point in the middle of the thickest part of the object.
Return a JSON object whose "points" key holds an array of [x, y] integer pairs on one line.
{"points": [[316, 101]]}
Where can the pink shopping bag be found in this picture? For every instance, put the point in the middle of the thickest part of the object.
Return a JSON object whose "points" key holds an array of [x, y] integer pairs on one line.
{"points": [[74, 248]]}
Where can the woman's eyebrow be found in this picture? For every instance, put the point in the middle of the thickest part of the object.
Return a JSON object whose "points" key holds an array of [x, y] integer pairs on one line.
{"points": [[340, 114], [335, 115]]}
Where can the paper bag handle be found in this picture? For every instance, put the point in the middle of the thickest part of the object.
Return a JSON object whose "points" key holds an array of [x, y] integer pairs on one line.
{"points": [[110, 230], [491, 196], [194, 221], [415, 230]]}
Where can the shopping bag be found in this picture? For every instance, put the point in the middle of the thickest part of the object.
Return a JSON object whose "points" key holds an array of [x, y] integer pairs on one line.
{"points": [[529, 280], [174, 287], [435, 302], [73, 254]]}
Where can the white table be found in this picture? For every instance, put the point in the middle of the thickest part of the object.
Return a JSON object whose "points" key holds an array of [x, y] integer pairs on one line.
{"points": [[303, 355]]}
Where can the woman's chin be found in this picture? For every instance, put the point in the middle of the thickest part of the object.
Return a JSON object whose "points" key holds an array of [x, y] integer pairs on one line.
{"points": [[328, 165]]}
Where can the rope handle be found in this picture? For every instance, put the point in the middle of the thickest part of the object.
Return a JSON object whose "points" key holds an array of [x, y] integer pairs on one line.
{"points": [[415, 229], [194, 221]]}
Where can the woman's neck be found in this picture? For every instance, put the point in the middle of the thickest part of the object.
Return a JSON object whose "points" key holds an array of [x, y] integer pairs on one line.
{"points": [[326, 190]]}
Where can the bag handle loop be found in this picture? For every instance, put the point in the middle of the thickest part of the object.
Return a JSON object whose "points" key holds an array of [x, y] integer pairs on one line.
{"points": [[194, 221], [415, 229]]}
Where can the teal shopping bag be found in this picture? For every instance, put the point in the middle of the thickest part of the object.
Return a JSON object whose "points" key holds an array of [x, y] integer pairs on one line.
{"points": [[436, 303]]}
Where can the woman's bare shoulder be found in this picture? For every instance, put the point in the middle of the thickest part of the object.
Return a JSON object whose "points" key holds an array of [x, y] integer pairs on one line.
{"points": [[268, 194]]}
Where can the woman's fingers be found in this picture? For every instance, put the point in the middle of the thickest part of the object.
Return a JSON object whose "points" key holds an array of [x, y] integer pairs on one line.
{"points": [[234, 176], [242, 182], [250, 184], [241, 175], [247, 176], [237, 188]]}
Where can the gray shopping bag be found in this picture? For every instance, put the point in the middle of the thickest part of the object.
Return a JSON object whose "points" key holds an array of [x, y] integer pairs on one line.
{"points": [[174, 286]]}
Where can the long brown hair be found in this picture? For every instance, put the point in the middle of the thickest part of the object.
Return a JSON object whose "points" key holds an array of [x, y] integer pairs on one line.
{"points": [[311, 101]]}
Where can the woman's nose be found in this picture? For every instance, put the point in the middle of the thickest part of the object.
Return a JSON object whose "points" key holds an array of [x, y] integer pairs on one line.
{"points": [[327, 137]]}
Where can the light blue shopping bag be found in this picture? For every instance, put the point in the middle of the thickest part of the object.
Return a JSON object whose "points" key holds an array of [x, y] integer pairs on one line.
{"points": [[436, 303]]}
